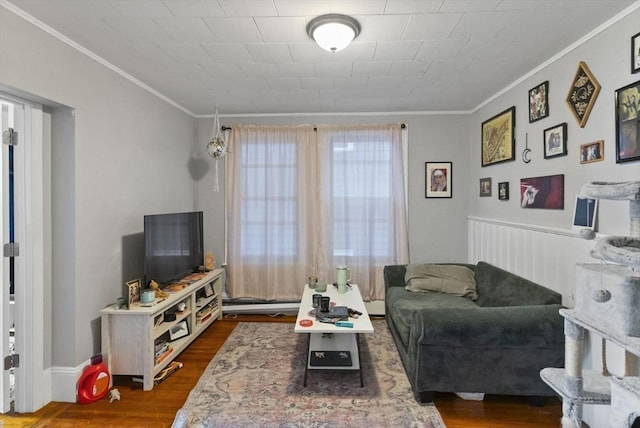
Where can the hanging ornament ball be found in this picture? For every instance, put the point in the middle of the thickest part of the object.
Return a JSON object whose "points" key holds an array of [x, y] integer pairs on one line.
{"points": [[216, 148]]}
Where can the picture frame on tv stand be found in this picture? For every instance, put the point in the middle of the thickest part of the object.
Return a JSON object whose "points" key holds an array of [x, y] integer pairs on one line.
{"points": [[179, 330]]}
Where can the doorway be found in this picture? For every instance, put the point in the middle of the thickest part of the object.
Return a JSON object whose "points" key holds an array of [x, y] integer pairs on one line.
{"points": [[8, 126], [22, 265]]}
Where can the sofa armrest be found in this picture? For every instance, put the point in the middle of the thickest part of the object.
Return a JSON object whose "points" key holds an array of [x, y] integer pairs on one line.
{"points": [[394, 276], [511, 326]]}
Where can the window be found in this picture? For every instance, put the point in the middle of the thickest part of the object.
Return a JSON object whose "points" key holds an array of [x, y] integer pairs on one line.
{"points": [[301, 201], [361, 177], [269, 195]]}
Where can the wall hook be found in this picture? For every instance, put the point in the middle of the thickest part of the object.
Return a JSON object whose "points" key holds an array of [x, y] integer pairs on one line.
{"points": [[527, 150]]}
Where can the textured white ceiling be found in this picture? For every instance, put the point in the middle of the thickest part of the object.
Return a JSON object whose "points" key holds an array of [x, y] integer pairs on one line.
{"points": [[254, 56]]}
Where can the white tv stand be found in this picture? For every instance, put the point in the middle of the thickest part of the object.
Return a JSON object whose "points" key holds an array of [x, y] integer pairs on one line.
{"points": [[130, 336]]}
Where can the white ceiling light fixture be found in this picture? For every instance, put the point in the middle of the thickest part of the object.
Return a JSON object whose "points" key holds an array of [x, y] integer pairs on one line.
{"points": [[333, 32]]}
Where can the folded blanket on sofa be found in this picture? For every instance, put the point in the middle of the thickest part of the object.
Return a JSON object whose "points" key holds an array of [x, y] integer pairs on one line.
{"points": [[449, 279]]}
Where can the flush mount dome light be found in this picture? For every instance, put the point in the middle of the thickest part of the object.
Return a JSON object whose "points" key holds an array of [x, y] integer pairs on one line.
{"points": [[333, 32]]}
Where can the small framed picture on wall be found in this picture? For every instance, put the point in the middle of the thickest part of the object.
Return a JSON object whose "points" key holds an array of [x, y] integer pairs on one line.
{"points": [[555, 141], [485, 186], [438, 179], [539, 102], [503, 191], [635, 53], [628, 123], [592, 152]]}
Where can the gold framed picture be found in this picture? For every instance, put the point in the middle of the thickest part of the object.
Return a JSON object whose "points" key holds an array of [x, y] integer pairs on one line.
{"points": [[592, 152], [498, 138], [582, 94]]}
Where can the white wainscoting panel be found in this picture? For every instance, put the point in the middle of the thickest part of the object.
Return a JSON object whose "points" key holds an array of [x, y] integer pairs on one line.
{"points": [[548, 257], [544, 255]]}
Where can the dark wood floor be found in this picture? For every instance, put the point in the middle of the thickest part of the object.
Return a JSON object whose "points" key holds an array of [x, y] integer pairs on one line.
{"points": [[158, 407]]}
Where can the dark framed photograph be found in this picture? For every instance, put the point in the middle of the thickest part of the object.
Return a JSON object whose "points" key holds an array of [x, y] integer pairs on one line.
{"points": [[628, 123], [503, 191], [539, 102], [179, 330], [635, 53], [555, 141], [592, 152], [438, 179], [584, 214], [542, 192], [582, 94], [485, 186], [498, 138]]}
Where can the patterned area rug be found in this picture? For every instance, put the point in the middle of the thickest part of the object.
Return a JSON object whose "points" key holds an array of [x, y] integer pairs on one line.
{"points": [[256, 380]]}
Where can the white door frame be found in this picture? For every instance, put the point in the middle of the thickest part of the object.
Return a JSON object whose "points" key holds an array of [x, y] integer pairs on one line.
{"points": [[5, 315], [29, 192]]}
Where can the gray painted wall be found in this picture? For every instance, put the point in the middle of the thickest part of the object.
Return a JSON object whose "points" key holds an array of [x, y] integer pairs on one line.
{"points": [[127, 156]]}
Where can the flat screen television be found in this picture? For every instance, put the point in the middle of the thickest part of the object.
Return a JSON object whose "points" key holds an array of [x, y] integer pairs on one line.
{"points": [[173, 246]]}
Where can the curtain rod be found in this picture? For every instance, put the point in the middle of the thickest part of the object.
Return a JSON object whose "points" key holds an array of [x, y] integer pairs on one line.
{"points": [[228, 128]]}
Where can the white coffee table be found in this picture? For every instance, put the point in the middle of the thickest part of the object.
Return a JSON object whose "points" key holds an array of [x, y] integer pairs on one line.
{"points": [[328, 341]]}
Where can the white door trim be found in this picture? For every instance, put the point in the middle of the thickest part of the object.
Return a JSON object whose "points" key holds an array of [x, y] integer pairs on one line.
{"points": [[29, 215], [29, 206], [5, 315]]}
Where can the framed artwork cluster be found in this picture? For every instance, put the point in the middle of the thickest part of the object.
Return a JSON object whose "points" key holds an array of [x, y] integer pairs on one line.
{"points": [[497, 140]]}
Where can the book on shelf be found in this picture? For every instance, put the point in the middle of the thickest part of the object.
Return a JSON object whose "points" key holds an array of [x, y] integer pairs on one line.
{"points": [[161, 346], [160, 358], [204, 318]]}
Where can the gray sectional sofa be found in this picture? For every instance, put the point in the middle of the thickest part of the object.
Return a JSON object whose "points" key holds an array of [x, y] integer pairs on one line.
{"points": [[496, 344]]}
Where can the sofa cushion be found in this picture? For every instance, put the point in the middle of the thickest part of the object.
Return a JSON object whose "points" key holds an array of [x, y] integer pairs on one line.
{"points": [[449, 279], [498, 287], [401, 304]]}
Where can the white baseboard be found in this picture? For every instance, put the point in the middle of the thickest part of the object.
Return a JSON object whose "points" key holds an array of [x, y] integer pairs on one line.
{"points": [[63, 382], [375, 307]]}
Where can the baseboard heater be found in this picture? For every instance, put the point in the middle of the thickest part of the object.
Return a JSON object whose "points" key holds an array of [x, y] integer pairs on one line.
{"points": [[260, 308], [375, 307]]}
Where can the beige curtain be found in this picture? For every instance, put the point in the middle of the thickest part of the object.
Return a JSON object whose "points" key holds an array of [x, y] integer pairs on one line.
{"points": [[270, 197], [363, 215], [300, 202]]}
